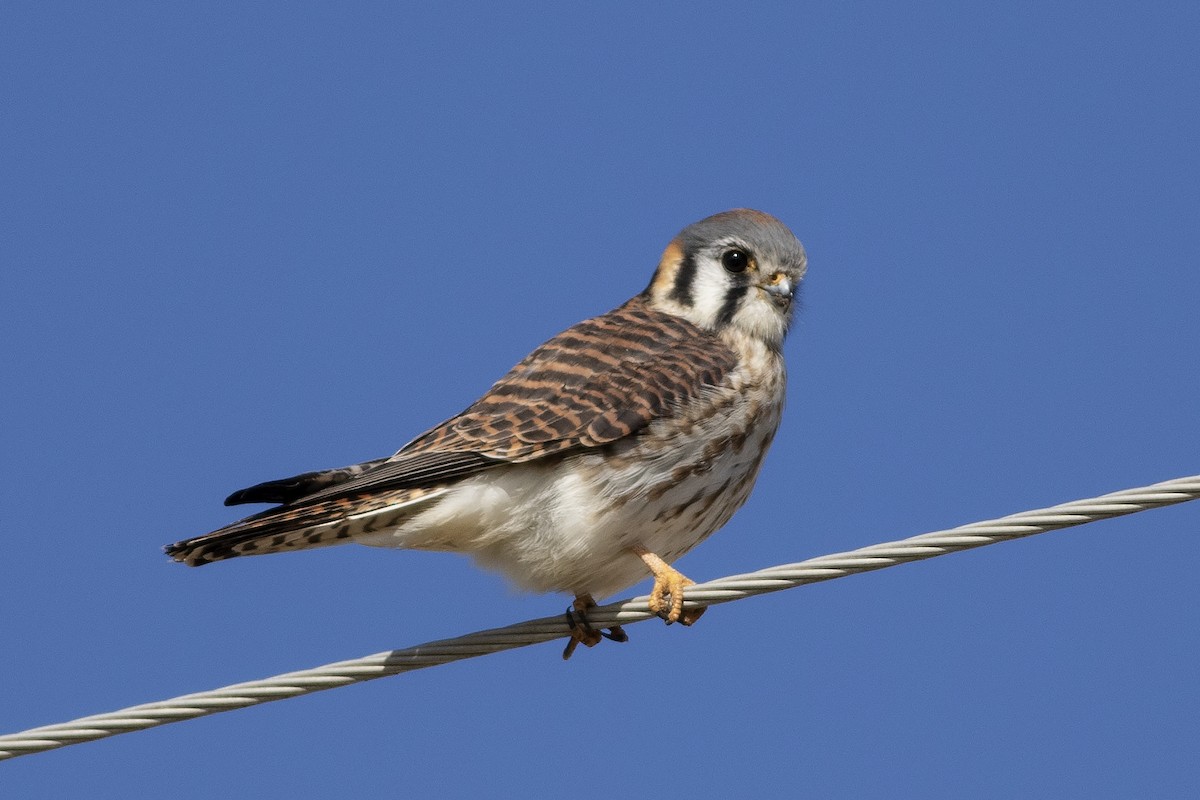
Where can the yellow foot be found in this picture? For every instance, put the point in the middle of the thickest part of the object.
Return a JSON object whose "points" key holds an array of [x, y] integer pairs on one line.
{"points": [[668, 582], [582, 632]]}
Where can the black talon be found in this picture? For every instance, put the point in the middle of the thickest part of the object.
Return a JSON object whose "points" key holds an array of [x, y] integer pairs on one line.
{"points": [[615, 634], [572, 643], [578, 621], [579, 624]]}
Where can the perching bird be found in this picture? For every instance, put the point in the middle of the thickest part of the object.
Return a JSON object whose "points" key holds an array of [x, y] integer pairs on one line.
{"points": [[609, 451]]}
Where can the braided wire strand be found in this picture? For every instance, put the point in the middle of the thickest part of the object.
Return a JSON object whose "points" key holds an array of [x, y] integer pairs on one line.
{"points": [[625, 612]]}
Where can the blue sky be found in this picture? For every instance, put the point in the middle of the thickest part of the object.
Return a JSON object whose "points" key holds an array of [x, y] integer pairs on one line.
{"points": [[240, 243]]}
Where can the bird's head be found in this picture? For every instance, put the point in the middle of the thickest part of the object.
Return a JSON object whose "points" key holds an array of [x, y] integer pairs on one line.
{"points": [[736, 270]]}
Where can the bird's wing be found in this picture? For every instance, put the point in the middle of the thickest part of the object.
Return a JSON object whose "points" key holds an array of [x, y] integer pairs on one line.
{"points": [[595, 383], [287, 490], [599, 381]]}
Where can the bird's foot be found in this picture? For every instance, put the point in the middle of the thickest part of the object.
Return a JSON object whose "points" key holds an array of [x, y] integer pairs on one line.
{"points": [[666, 598], [582, 631]]}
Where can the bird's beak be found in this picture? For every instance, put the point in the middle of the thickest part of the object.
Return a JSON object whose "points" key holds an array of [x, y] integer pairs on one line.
{"points": [[780, 289]]}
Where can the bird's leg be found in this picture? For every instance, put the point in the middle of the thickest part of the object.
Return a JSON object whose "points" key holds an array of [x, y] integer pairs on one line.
{"points": [[582, 631], [667, 581]]}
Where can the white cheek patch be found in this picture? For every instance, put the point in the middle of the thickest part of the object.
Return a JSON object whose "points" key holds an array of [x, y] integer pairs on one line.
{"points": [[709, 288]]}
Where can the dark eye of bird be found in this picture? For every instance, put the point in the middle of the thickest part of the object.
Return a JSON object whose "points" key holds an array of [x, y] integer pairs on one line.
{"points": [[735, 260]]}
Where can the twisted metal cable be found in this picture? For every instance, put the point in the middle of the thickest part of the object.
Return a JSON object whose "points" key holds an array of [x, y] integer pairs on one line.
{"points": [[625, 612]]}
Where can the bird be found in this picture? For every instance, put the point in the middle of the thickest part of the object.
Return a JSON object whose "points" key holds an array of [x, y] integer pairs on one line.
{"points": [[602, 457]]}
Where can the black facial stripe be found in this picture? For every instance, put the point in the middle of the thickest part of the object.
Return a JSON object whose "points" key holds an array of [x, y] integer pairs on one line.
{"points": [[729, 306], [682, 290]]}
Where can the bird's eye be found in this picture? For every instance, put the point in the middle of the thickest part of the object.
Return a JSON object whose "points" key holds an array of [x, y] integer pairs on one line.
{"points": [[735, 260]]}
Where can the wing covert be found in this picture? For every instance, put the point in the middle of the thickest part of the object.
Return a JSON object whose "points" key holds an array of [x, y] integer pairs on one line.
{"points": [[597, 382]]}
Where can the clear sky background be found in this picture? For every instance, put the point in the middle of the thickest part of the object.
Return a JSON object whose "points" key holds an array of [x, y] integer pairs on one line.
{"points": [[239, 243]]}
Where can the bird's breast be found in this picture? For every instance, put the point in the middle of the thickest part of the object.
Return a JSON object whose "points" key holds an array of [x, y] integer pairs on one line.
{"points": [[688, 474], [568, 524]]}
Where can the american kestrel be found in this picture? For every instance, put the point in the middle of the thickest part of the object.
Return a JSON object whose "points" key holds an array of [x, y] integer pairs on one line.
{"points": [[609, 451]]}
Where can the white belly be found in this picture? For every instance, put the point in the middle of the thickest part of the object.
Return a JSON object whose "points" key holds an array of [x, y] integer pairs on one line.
{"points": [[567, 526]]}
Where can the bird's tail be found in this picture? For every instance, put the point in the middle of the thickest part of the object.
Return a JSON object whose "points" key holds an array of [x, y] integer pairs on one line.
{"points": [[286, 528]]}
